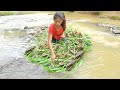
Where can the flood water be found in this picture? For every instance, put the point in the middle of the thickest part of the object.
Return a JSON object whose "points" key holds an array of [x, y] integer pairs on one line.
{"points": [[103, 61]]}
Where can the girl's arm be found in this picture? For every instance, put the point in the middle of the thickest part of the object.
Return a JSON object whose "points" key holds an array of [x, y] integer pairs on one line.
{"points": [[50, 47]]}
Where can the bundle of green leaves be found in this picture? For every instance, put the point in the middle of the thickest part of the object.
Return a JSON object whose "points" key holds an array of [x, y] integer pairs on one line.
{"points": [[69, 55]]}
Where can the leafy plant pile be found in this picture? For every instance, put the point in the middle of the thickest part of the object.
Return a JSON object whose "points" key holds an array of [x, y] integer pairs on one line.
{"points": [[68, 54]]}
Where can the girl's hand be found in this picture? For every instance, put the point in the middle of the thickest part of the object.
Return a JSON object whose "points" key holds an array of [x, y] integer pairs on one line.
{"points": [[53, 58], [62, 36]]}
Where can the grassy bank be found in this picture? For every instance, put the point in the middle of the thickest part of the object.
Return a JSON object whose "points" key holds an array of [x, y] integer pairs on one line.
{"points": [[6, 13], [114, 17], [90, 12]]}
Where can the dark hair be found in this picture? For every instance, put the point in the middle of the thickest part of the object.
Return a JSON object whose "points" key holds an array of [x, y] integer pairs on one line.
{"points": [[61, 15]]}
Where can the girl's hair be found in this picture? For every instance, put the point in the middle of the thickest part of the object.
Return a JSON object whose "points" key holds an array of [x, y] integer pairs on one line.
{"points": [[61, 15]]}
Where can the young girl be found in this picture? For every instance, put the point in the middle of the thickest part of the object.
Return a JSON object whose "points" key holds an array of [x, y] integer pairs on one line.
{"points": [[56, 31]]}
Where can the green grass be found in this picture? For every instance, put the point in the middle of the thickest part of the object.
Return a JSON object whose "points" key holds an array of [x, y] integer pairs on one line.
{"points": [[90, 12], [6, 13], [114, 17], [96, 13]]}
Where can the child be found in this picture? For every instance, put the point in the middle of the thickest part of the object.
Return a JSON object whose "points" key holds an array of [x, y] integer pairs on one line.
{"points": [[56, 31]]}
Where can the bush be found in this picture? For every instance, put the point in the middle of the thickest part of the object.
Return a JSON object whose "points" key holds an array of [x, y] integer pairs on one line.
{"points": [[6, 13], [90, 12], [96, 13], [114, 17]]}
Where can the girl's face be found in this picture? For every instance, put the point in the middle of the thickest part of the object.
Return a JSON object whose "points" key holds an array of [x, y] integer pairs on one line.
{"points": [[58, 21]]}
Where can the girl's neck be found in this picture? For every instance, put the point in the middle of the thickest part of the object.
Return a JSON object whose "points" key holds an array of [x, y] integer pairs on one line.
{"points": [[58, 27]]}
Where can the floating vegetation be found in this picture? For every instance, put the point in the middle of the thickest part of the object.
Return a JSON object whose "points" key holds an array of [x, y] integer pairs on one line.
{"points": [[69, 55]]}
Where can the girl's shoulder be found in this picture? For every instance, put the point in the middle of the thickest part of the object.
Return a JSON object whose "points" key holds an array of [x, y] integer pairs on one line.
{"points": [[52, 26]]}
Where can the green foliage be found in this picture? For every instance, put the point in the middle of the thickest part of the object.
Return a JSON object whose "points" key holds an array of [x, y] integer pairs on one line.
{"points": [[96, 13], [114, 17], [87, 43], [41, 54], [6, 13]]}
